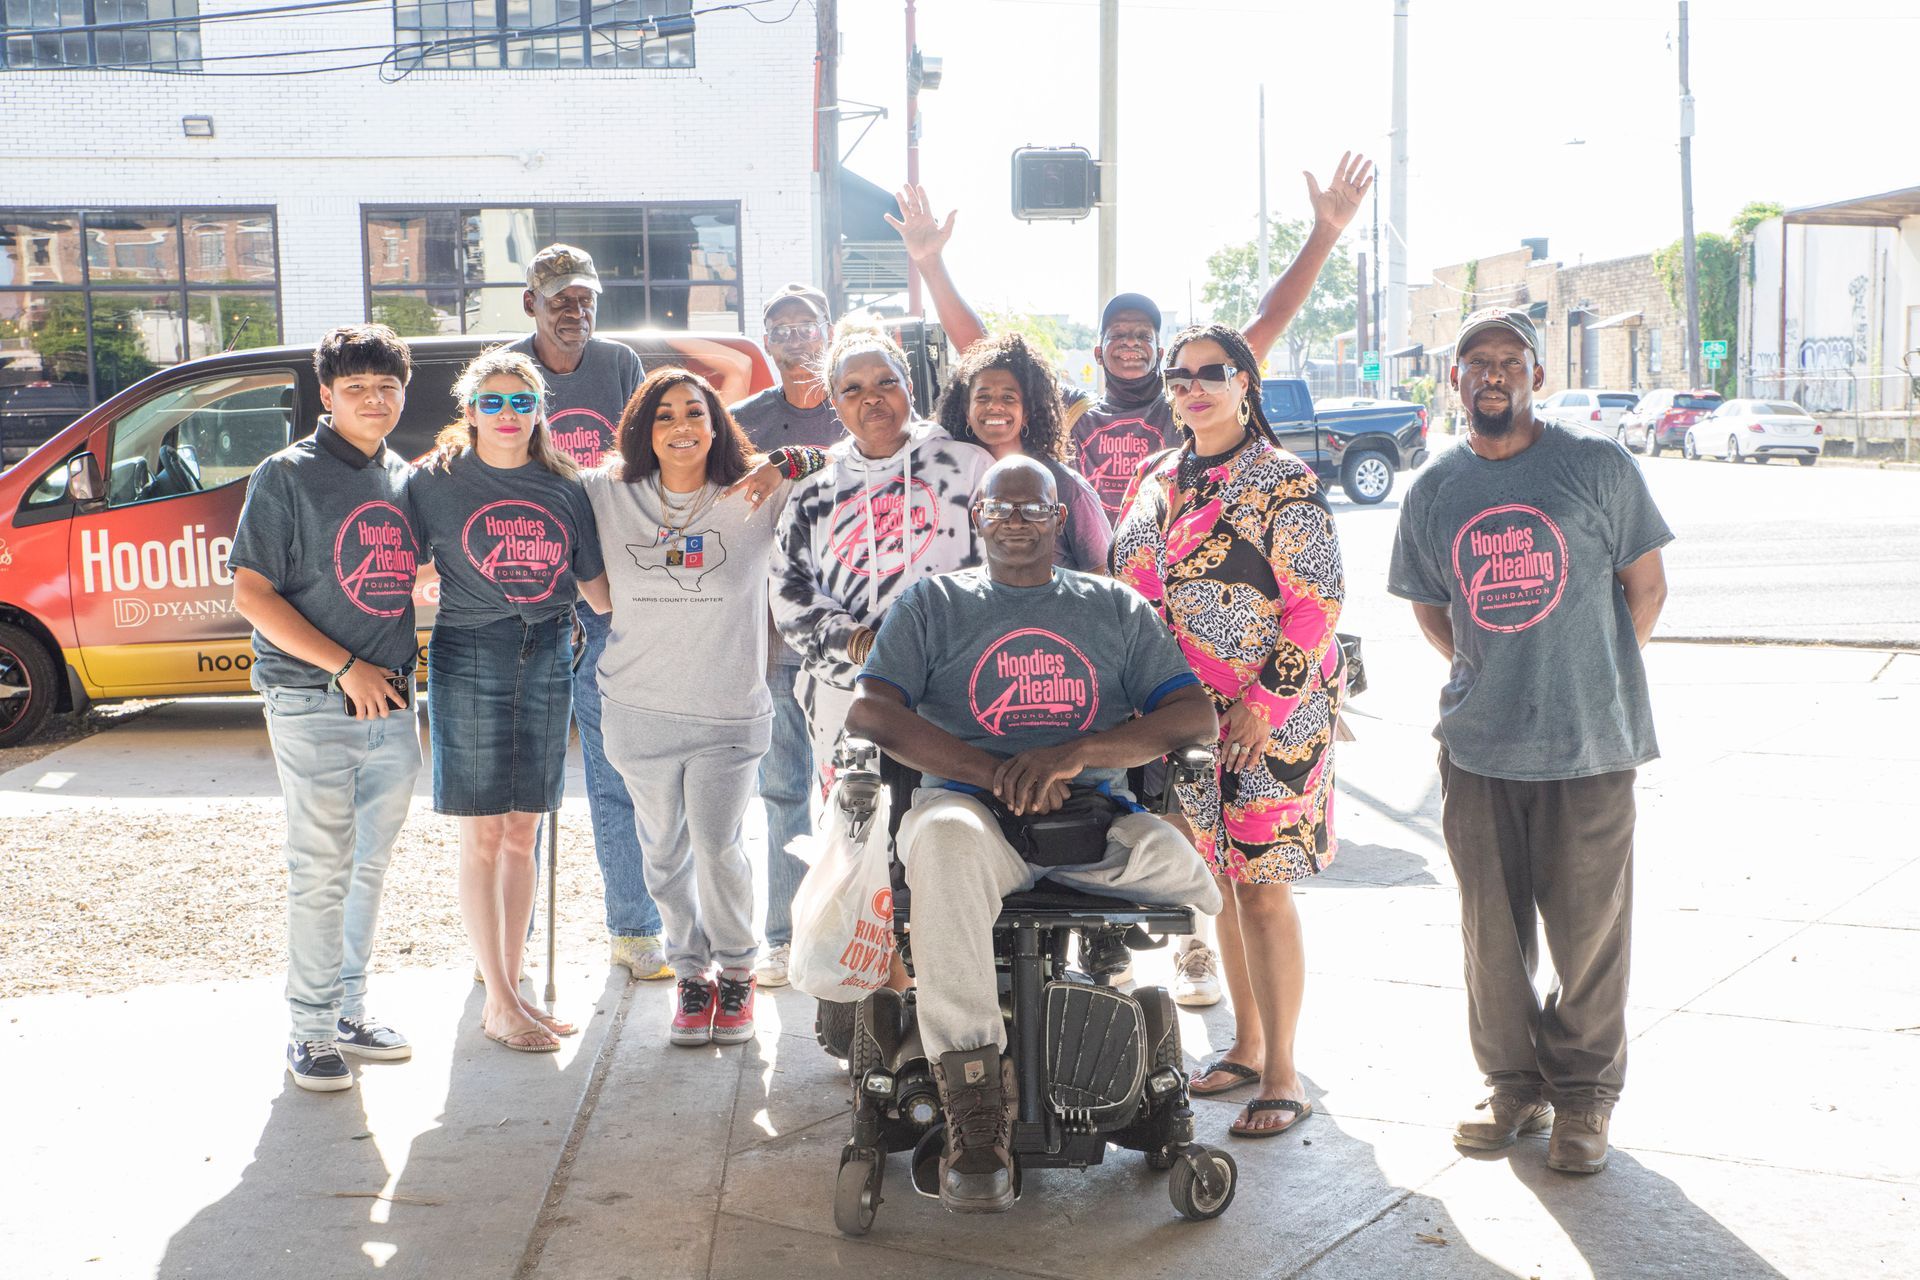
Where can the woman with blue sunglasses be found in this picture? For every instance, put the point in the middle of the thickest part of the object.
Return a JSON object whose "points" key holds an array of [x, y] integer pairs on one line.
{"points": [[505, 517]]}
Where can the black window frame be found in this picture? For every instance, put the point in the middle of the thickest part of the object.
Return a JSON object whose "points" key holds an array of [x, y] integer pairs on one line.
{"points": [[494, 46], [461, 285], [182, 288], [89, 29]]}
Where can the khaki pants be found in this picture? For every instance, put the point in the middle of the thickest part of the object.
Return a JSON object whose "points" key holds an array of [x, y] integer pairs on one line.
{"points": [[959, 867], [1563, 851]]}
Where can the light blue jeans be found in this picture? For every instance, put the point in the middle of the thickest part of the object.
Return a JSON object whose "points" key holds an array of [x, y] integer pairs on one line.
{"points": [[631, 912], [347, 785], [785, 775]]}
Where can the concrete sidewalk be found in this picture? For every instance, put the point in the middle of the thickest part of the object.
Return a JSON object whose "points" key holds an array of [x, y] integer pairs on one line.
{"points": [[1766, 1128]]}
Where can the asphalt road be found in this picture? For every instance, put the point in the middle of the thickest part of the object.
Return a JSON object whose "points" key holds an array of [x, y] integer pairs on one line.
{"points": [[1829, 553]]}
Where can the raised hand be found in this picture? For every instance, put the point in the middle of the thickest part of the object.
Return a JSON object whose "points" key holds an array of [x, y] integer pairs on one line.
{"points": [[924, 234], [1335, 206]]}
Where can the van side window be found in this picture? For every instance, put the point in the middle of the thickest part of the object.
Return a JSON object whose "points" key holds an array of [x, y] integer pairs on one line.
{"points": [[201, 435]]}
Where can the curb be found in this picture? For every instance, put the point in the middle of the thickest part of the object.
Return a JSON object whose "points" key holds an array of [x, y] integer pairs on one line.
{"points": [[1788, 642]]}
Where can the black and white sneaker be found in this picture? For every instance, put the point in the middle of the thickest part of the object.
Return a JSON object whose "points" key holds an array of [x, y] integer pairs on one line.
{"points": [[317, 1065], [364, 1038]]}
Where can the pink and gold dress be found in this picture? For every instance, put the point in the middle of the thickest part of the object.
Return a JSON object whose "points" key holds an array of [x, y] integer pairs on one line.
{"points": [[1238, 553]]}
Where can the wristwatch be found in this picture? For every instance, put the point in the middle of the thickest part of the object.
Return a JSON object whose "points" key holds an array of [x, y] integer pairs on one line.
{"points": [[333, 681]]}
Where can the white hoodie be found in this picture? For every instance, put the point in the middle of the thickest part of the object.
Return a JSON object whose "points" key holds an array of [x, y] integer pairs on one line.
{"points": [[845, 520]]}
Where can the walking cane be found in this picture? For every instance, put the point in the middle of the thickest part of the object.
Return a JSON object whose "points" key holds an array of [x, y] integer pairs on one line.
{"points": [[553, 886]]}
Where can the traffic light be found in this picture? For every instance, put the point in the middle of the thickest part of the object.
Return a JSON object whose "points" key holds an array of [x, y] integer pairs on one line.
{"points": [[1054, 182]]}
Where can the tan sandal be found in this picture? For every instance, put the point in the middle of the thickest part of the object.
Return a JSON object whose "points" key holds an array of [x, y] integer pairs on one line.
{"points": [[508, 1040]]}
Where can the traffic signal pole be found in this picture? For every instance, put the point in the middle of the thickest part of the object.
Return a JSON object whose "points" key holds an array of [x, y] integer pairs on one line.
{"points": [[1686, 211], [1109, 151], [913, 154]]}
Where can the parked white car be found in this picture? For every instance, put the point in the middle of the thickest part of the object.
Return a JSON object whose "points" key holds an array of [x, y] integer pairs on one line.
{"points": [[1759, 429], [1595, 410]]}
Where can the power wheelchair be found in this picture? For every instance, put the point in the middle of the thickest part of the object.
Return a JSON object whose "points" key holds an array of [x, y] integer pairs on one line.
{"points": [[1095, 1066]]}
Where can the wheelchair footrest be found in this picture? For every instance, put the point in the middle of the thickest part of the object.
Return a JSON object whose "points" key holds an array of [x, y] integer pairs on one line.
{"points": [[1096, 1053]]}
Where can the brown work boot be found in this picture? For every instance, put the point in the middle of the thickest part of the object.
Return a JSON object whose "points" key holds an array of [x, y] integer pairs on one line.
{"points": [[1508, 1115], [978, 1093], [1579, 1142]]}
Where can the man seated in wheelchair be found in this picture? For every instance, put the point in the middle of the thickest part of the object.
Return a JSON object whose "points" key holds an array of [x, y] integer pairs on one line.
{"points": [[1023, 693]]}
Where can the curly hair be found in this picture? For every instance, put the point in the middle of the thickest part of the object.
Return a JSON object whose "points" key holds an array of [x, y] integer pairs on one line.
{"points": [[1043, 434], [1240, 355], [729, 457], [458, 436]]}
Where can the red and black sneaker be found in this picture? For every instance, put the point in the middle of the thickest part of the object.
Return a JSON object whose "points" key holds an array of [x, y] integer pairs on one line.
{"points": [[694, 1001], [734, 1020]]}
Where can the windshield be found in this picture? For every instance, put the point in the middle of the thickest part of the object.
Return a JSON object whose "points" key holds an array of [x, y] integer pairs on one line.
{"points": [[1615, 400], [1696, 402]]}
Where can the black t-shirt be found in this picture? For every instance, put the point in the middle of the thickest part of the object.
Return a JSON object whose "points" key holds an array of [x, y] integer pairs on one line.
{"points": [[1111, 440]]}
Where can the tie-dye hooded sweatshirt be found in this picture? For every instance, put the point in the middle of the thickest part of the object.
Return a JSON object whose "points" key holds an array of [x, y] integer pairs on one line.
{"points": [[852, 541]]}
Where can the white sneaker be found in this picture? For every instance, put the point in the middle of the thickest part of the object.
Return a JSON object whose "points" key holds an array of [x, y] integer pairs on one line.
{"points": [[1196, 978], [643, 955], [772, 969]]}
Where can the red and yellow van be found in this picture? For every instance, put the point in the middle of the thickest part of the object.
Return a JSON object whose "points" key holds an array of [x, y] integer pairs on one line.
{"points": [[114, 534]]}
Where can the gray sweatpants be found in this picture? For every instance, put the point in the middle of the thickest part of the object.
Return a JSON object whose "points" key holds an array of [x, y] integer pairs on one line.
{"points": [[690, 781], [959, 867], [1563, 850]]}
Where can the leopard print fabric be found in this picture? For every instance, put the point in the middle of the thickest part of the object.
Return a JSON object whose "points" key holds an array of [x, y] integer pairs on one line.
{"points": [[1245, 569]]}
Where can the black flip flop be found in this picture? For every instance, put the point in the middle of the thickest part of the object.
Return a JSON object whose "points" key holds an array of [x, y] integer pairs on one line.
{"points": [[1302, 1109], [1247, 1075]]}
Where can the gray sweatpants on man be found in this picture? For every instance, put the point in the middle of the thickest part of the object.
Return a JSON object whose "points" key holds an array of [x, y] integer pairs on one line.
{"points": [[690, 781], [1563, 850], [959, 867]]}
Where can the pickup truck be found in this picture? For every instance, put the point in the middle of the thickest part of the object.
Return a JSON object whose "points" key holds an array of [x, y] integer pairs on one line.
{"points": [[1359, 444]]}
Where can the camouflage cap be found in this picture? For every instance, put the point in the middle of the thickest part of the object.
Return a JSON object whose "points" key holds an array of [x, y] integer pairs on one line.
{"points": [[1512, 319], [561, 266], [805, 294]]}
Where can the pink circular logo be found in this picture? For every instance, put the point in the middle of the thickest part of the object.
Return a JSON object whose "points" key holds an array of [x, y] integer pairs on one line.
{"points": [[879, 525], [375, 559], [520, 547], [1511, 565], [1033, 679], [582, 435]]}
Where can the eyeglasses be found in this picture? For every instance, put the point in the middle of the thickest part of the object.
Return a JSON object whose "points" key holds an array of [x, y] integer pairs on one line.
{"points": [[794, 332], [1212, 378], [994, 511], [492, 402]]}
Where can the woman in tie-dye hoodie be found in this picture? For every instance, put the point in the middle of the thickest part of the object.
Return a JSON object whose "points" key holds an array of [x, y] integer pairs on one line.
{"points": [[889, 509]]}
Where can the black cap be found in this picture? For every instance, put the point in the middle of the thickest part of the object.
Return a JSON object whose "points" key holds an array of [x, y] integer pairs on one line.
{"points": [[1129, 302]]}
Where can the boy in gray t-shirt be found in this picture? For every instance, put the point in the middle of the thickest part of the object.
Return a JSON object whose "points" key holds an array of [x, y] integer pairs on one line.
{"points": [[323, 562]]}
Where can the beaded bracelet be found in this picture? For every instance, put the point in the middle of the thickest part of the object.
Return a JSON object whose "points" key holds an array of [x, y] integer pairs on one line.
{"points": [[797, 460]]}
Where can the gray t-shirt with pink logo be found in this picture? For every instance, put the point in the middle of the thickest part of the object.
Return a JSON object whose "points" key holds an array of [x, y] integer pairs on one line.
{"points": [[1010, 669], [584, 407], [510, 542], [330, 530], [1547, 681]]}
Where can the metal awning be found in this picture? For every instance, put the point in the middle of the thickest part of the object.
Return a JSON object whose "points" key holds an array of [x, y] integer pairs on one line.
{"points": [[1407, 353], [1625, 320], [1884, 210]]}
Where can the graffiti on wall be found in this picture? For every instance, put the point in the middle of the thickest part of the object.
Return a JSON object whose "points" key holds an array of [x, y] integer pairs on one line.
{"points": [[1826, 366]]}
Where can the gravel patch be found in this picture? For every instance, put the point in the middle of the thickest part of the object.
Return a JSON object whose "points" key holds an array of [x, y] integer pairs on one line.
{"points": [[106, 898]]}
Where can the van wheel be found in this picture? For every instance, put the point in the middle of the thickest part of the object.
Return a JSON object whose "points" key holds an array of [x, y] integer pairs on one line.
{"points": [[1366, 477], [27, 688]]}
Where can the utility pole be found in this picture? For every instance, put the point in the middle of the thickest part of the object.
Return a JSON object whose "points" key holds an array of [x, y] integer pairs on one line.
{"points": [[1266, 265], [1686, 210], [913, 153], [1397, 210], [826, 152], [1361, 325], [1109, 164]]}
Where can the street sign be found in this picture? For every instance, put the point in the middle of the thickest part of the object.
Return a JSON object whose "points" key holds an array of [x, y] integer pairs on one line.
{"points": [[1369, 366], [1714, 362], [1714, 349]]}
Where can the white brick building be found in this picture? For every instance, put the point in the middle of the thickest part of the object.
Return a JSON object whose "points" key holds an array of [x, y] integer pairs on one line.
{"points": [[352, 195]]}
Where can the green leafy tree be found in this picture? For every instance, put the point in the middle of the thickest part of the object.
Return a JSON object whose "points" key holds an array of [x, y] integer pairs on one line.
{"points": [[1043, 333], [237, 322], [1233, 290], [1752, 214], [1717, 266], [407, 316]]}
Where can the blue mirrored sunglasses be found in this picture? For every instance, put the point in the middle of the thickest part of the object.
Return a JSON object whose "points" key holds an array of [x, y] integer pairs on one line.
{"points": [[492, 402]]}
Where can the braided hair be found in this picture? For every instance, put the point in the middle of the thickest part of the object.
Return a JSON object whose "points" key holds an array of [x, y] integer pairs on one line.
{"points": [[1241, 356], [1042, 434]]}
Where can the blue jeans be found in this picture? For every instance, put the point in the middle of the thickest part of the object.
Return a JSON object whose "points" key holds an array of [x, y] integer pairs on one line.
{"points": [[785, 775], [631, 912], [347, 784]]}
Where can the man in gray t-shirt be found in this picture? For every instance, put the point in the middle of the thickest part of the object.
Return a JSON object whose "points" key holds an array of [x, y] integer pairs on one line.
{"points": [[1019, 680], [1531, 553]]}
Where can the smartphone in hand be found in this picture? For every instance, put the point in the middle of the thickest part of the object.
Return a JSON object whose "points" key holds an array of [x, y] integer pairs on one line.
{"points": [[401, 683]]}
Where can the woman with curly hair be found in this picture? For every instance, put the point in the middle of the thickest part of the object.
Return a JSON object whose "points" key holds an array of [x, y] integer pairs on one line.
{"points": [[1004, 398], [1232, 539]]}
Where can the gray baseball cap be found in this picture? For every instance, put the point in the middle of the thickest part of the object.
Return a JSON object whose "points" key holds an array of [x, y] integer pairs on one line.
{"points": [[806, 294], [561, 266], [1512, 319]]}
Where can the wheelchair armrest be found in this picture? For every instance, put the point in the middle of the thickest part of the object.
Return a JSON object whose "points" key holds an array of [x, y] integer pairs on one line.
{"points": [[1185, 764], [856, 765]]}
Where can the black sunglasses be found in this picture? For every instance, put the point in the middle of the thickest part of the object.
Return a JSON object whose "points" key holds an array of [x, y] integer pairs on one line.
{"points": [[1208, 377]]}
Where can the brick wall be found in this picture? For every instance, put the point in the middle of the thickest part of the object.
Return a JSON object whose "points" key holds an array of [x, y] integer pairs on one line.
{"points": [[738, 126]]}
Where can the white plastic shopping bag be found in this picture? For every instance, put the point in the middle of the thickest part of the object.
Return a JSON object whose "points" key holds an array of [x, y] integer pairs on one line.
{"points": [[843, 909]]}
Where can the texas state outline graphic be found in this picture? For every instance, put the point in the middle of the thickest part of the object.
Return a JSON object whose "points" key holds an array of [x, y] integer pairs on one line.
{"points": [[705, 544]]}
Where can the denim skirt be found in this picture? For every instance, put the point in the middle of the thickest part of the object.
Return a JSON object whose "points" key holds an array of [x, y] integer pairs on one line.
{"points": [[498, 699]]}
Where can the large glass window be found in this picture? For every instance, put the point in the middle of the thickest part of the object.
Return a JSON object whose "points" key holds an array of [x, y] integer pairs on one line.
{"points": [[200, 436], [100, 33], [461, 34], [464, 270], [93, 300]]}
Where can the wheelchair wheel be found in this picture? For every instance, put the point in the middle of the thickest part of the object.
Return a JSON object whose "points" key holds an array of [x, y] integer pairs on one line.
{"points": [[1190, 1198], [856, 1191], [833, 1026]]}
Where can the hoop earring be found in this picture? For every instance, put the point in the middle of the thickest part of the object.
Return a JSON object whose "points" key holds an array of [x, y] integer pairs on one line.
{"points": [[1246, 411]]}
